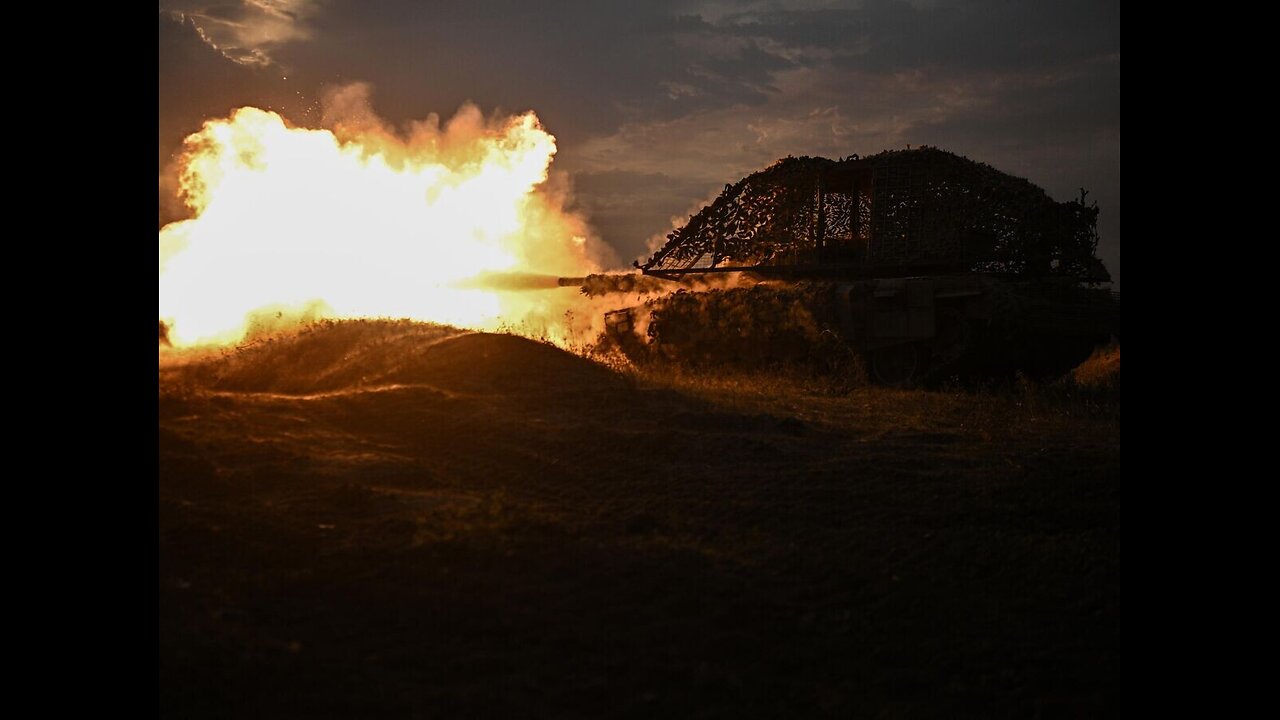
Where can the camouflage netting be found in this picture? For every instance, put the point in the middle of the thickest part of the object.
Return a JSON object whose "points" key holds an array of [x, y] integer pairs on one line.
{"points": [[745, 327], [891, 213]]}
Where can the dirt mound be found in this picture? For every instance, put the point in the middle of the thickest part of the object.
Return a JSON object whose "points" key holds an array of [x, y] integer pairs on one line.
{"points": [[487, 363], [339, 355]]}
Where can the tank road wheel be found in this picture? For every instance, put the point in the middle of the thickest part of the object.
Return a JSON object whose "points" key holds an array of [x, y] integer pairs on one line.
{"points": [[951, 344], [897, 365], [954, 335]]}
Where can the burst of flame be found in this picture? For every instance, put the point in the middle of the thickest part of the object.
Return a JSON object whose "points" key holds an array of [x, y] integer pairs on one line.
{"points": [[364, 223]]}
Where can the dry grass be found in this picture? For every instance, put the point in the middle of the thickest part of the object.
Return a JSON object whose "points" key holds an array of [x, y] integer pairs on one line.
{"points": [[1101, 370], [482, 525]]}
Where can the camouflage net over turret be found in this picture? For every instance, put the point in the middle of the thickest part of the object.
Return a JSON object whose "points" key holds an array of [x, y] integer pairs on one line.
{"points": [[898, 212], [747, 327]]}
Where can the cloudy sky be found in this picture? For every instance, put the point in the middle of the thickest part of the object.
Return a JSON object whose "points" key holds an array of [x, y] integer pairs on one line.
{"points": [[658, 104]]}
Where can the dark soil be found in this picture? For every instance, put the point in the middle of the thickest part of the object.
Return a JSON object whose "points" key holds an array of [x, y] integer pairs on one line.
{"points": [[391, 520]]}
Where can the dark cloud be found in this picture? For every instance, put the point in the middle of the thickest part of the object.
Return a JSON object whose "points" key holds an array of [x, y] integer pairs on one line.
{"points": [[197, 82], [229, 12], [892, 35], [586, 66], [248, 31]]}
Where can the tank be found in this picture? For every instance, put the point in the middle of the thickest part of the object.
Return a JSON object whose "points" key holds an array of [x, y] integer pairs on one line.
{"points": [[924, 263]]}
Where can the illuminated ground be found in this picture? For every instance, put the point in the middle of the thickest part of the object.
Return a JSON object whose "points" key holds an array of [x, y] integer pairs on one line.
{"points": [[378, 519]]}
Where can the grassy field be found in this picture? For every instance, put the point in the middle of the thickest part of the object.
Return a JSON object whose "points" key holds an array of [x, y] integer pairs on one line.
{"points": [[376, 519]]}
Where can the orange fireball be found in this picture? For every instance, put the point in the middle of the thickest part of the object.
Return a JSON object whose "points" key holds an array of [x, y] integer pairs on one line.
{"points": [[365, 223]]}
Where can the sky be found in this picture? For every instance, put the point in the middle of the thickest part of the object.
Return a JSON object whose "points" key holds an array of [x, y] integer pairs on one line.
{"points": [[657, 105]]}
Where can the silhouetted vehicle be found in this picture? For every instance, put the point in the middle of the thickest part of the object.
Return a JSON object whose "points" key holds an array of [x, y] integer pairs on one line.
{"points": [[926, 263]]}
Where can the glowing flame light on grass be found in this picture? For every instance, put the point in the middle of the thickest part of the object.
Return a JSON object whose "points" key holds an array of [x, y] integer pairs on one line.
{"points": [[360, 221]]}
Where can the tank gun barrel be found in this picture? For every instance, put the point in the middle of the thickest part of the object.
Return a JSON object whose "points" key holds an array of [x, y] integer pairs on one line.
{"points": [[591, 285]]}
